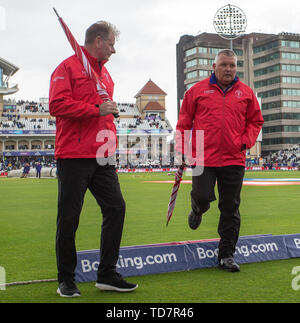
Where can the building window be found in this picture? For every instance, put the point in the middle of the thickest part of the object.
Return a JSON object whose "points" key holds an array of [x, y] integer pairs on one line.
{"points": [[206, 61], [271, 105], [292, 44], [267, 58], [191, 52], [291, 80], [215, 51], [265, 47], [272, 129], [202, 50], [191, 75], [238, 52], [294, 56], [291, 92], [272, 117], [290, 68], [191, 63], [280, 141], [291, 128], [203, 61], [152, 98], [291, 104], [23, 147], [240, 75], [280, 116], [267, 70], [203, 73], [271, 81], [268, 94]]}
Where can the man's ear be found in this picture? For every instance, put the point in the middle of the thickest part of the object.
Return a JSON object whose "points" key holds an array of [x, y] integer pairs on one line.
{"points": [[98, 41]]}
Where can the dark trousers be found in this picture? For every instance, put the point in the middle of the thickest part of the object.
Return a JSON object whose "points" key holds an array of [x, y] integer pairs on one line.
{"points": [[229, 181], [75, 176]]}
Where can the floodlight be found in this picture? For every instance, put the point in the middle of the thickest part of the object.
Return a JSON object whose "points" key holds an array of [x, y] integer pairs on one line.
{"points": [[230, 22]]}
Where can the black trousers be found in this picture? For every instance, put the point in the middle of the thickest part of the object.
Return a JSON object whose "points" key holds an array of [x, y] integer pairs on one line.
{"points": [[75, 176], [229, 181]]}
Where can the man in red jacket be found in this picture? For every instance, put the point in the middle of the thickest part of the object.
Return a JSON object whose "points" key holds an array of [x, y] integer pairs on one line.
{"points": [[84, 124], [228, 112]]}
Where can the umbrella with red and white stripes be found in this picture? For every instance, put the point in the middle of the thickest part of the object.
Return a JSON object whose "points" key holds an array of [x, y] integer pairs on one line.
{"points": [[172, 202]]}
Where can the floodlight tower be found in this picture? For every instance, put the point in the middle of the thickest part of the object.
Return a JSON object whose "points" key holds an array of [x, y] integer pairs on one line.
{"points": [[230, 22]]}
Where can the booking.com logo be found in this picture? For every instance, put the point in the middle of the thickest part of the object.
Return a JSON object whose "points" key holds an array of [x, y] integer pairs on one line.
{"points": [[2, 19]]}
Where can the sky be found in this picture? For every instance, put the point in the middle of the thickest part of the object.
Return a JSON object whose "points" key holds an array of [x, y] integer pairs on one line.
{"points": [[32, 39]]}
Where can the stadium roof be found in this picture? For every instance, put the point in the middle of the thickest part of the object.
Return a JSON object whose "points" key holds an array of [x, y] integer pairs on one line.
{"points": [[8, 68], [150, 88], [154, 106]]}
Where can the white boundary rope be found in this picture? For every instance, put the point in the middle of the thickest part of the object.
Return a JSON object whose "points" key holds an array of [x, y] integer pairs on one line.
{"points": [[28, 282]]}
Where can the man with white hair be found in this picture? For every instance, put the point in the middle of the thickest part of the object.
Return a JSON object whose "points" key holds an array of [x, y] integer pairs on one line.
{"points": [[229, 114], [81, 115]]}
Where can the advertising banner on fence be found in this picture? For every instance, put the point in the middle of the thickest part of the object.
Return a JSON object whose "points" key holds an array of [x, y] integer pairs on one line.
{"points": [[188, 255]]}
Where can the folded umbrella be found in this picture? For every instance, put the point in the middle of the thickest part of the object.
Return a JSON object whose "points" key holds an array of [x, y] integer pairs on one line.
{"points": [[178, 178]]}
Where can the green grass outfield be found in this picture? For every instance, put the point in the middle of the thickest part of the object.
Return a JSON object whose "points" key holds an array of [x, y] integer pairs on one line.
{"points": [[27, 240]]}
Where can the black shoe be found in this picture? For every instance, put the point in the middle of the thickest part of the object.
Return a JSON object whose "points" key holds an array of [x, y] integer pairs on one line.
{"points": [[115, 282], [68, 289], [229, 264], [194, 220]]}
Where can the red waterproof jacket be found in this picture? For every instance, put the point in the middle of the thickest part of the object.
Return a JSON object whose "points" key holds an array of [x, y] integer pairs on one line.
{"points": [[231, 121], [72, 100]]}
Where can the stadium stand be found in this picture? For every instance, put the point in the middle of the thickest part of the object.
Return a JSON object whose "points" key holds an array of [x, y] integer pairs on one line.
{"points": [[289, 157], [27, 133]]}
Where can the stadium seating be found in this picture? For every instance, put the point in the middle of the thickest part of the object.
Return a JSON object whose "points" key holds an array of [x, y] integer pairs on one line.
{"points": [[288, 157], [27, 124], [35, 116]]}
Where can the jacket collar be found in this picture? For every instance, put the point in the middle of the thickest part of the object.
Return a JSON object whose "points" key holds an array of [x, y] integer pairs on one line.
{"points": [[213, 80], [93, 60]]}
